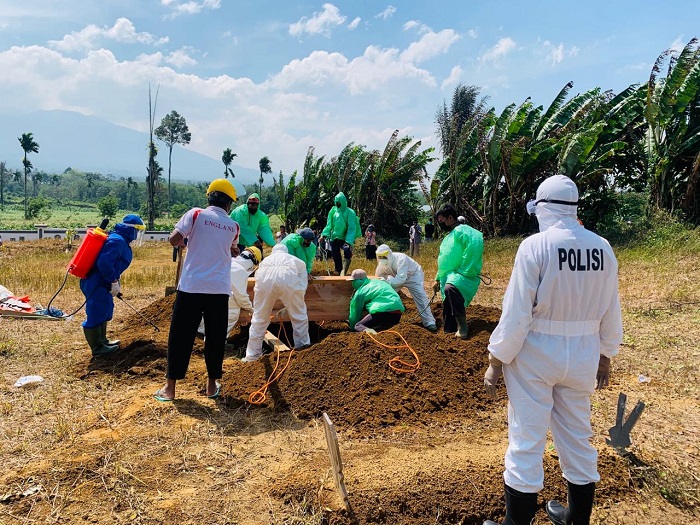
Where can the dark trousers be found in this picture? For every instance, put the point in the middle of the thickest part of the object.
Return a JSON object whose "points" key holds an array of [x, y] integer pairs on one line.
{"points": [[381, 320], [188, 311], [336, 248], [371, 252], [452, 306]]}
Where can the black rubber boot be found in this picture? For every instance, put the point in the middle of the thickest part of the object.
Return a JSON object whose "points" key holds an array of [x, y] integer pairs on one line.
{"points": [[106, 341], [463, 328], [580, 506], [520, 507], [346, 266], [94, 338]]}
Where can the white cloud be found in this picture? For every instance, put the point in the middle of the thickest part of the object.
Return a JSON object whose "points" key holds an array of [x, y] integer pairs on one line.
{"points": [[320, 23], [298, 107], [181, 58], [123, 30], [504, 46], [191, 7], [370, 72], [387, 13], [453, 79], [472, 33], [352, 25], [430, 45], [556, 54], [417, 25]]}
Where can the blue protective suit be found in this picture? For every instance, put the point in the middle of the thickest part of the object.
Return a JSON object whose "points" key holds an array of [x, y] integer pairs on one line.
{"points": [[113, 259]]}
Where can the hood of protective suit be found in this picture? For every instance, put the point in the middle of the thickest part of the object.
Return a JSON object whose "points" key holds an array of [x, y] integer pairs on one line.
{"points": [[340, 198], [129, 233], [280, 248], [358, 283], [384, 249], [556, 199]]}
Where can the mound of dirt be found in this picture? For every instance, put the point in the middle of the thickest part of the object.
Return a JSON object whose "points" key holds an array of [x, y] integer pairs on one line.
{"points": [[345, 374]]}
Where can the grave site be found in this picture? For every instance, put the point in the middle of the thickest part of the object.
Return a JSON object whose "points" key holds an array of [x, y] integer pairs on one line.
{"points": [[419, 440]]}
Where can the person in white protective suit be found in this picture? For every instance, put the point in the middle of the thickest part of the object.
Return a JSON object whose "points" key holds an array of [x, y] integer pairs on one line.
{"points": [[399, 270], [280, 276], [241, 268], [561, 323]]}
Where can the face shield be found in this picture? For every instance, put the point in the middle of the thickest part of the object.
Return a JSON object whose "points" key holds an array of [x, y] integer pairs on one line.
{"points": [[140, 229]]}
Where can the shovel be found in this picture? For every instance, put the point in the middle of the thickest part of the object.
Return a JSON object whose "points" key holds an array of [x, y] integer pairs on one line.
{"points": [[620, 433], [177, 257]]}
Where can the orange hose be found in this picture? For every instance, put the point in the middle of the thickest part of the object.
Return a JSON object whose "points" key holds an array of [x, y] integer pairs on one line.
{"points": [[260, 396], [396, 363]]}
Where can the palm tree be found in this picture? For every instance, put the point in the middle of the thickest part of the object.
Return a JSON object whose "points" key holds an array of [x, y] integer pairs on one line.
{"points": [[227, 159], [29, 146], [265, 167], [173, 130]]}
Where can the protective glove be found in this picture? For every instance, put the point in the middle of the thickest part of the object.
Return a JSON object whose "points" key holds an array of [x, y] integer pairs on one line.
{"points": [[115, 289], [493, 374], [436, 286], [603, 375], [370, 331]]}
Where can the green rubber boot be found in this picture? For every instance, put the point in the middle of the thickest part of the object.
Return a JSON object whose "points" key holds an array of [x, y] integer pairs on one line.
{"points": [[93, 336], [105, 341], [463, 331]]}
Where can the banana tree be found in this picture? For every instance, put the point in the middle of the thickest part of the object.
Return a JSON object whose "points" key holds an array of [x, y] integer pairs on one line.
{"points": [[672, 140]]}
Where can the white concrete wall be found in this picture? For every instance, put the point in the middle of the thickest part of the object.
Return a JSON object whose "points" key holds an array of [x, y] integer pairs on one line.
{"points": [[60, 233]]}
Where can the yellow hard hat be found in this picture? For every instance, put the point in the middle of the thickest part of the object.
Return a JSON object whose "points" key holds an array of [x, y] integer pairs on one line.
{"points": [[224, 186], [256, 252]]}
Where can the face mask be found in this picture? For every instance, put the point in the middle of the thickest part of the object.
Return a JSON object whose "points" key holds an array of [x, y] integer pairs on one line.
{"points": [[531, 207], [444, 227], [337, 204]]}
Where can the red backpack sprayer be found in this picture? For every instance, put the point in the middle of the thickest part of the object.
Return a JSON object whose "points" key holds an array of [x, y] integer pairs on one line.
{"points": [[82, 263]]}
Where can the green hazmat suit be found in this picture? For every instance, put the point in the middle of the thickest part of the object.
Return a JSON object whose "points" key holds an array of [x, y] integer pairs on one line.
{"points": [[295, 245], [342, 222], [460, 260], [374, 295], [252, 226]]}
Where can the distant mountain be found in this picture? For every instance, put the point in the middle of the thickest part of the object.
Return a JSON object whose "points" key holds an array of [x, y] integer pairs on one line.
{"points": [[69, 139]]}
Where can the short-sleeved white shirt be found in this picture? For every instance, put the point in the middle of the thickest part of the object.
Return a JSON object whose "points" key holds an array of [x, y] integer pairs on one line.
{"points": [[207, 265]]}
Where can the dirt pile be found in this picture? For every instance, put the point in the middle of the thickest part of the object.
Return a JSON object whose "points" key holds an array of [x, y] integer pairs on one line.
{"points": [[345, 374]]}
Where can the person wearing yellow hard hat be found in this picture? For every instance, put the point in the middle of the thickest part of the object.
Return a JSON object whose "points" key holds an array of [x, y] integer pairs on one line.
{"points": [[204, 287]]}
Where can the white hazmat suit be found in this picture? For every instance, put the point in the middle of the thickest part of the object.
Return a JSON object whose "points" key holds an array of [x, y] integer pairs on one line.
{"points": [[399, 270], [279, 276], [238, 300], [561, 312]]}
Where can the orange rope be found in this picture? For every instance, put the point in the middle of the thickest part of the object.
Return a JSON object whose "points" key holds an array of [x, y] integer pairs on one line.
{"points": [[260, 396], [396, 363]]}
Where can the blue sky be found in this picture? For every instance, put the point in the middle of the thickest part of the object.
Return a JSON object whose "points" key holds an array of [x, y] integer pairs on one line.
{"points": [[271, 78]]}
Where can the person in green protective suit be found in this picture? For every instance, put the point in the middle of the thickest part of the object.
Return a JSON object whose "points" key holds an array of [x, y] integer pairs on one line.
{"points": [[254, 224], [301, 246], [342, 230], [379, 298], [459, 266]]}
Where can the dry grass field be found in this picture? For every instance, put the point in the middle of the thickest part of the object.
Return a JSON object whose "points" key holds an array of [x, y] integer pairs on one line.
{"points": [[90, 445]]}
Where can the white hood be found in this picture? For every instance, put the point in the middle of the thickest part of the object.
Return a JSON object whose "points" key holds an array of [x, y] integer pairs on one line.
{"points": [[556, 199]]}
